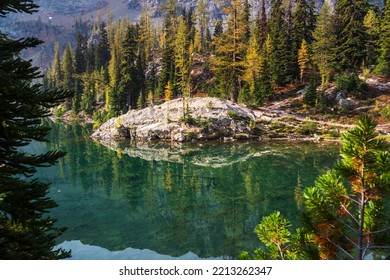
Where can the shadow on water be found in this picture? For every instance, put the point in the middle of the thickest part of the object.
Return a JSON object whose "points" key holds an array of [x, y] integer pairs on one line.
{"points": [[174, 199]]}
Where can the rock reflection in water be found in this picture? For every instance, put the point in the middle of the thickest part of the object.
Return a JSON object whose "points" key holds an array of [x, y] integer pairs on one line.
{"points": [[172, 200]]}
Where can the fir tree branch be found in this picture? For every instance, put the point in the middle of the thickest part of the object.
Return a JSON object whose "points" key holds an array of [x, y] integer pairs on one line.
{"points": [[348, 226], [375, 232], [349, 213], [376, 247], [340, 248], [350, 198]]}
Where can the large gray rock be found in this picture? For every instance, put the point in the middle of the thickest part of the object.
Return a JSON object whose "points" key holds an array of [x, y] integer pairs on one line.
{"points": [[209, 117]]}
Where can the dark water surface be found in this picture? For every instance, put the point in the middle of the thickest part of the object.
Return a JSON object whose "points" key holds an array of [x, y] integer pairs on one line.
{"points": [[165, 201]]}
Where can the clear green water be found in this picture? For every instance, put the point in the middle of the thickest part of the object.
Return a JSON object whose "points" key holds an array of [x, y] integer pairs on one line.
{"points": [[191, 201]]}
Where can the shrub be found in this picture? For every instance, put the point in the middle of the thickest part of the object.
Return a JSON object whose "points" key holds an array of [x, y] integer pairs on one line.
{"points": [[385, 112], [308, 128], [310, 95], [99, 118], [334, 133], [350, 83]]}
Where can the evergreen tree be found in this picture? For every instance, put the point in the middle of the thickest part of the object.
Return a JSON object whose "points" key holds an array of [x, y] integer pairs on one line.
{"points": [[102, 49], [262, 28], [312, 17], [351, 34], [372, 24], [80, 66], [218, 29], [300, 32], [168, 56], [88, 98], [182, 57], [130, 79], [68, 74], [246, 20], [203, 18], [310, 96], [263, 87], [281, 53], [57, 73], [324, 44], [26, 231], [302, 27], [384, 58], [112, 98], [348, 220], [91, 58], [340, 220], [168, 94]]}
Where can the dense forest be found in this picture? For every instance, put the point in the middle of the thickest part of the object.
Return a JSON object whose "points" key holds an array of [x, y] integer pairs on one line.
{"points": [[117, 66]]}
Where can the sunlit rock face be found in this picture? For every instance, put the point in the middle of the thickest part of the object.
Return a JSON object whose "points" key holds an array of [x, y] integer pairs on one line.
{"points": [[207, 118]]}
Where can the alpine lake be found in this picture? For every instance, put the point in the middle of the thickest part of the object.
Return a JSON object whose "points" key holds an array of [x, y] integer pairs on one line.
{"points": [[173, 201]]}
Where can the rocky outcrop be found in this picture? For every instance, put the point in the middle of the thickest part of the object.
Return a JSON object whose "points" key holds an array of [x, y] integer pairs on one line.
{"points": [[196, 119]]}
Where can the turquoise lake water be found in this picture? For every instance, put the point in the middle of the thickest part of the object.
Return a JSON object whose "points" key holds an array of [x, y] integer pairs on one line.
{"points": [[165, 201]]}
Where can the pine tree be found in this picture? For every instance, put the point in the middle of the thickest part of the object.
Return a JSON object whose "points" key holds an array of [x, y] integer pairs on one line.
{"points": [[68, 74], [80, 66], [347, 220], [88, 98], [112, 97], [301, 25], [130, 79], [203, 18], [262, 24], [102, 49], [57, 67], [168, 94], [372, 24], [351, 34], [300, 32], [310, 96], [340, 220], [324, 44], [263, 87], [312, 17], [182, 57], [168, 56], [26, 231], [281, 59], [384, 58], [246, 20], [91, 58], [218, 29]]}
